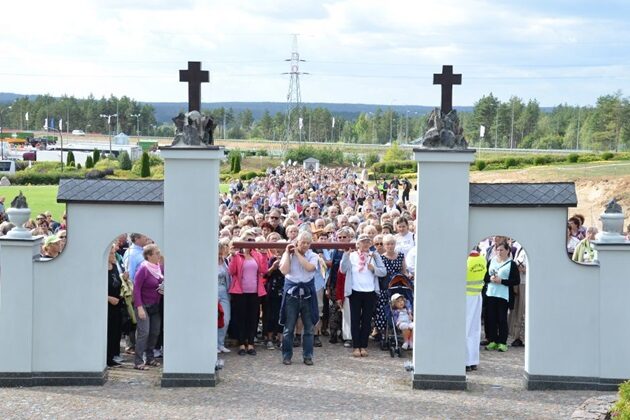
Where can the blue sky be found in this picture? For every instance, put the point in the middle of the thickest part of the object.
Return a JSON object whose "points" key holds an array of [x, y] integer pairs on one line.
{"points": [[356, 51]]}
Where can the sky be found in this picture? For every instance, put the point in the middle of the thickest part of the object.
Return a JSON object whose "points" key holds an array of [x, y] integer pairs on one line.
{"points": [[355, 51]]}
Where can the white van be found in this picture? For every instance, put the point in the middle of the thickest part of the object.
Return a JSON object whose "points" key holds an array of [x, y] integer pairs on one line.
{"points": [[7, 167], [78, 133]]}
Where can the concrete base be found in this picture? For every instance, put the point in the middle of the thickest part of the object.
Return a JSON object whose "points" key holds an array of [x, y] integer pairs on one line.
{"points": [[570, 383], [440, 382], [189, 380], [28, 379]]}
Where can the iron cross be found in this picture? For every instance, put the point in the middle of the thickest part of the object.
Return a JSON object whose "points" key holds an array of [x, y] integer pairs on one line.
{"points": [[447, 79], [195, 77]]}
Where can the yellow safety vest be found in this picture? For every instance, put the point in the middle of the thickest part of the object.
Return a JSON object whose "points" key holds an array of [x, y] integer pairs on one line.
{"points": [[475, 275]]}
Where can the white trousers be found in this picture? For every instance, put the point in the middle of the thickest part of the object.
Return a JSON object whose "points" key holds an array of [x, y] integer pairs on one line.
{"points": [[473, 329], [345, 320]]}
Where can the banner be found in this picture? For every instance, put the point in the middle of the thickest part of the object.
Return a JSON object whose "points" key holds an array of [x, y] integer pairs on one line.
{"points": [[60, 124], [333, 122], [45, 123], [26, 116], [301, 123], [482, 130]]}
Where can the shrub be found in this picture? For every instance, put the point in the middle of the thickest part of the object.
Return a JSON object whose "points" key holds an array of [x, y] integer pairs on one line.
{"points": [[371, 158], [394, 152], [145, 168], [510, 162], [236, 163], [328, 156], [78, 166], [395, 167], [573, 158], [96, 156], [89, 163], [262, 152], [542, 160], [608, 155], [94, 174], [70, 158], [125, 161], [248, 175], [621, 409], [107, 163], [480, 164]]}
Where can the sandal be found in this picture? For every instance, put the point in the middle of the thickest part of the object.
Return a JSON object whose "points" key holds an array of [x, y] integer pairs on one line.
{"points": [[154, 363], [141, 367]]}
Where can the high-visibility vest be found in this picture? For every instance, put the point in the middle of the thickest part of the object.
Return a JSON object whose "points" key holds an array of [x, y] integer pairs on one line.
{"points": [[475, 274]]}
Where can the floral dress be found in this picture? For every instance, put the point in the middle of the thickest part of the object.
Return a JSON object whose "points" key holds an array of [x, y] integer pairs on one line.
{"points": [[393, 267]]}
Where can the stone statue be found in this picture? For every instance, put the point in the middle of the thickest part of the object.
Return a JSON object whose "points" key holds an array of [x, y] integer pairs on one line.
{"points": [[19, 202], [613, 207], [443, 132], [193, 129]]}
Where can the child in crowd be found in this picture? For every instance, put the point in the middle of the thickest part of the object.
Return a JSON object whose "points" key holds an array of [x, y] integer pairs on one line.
{"points": [[403, 318]]}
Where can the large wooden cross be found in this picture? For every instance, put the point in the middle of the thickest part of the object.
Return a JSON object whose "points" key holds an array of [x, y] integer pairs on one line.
{"points": [[447, 79], [195, 77]]}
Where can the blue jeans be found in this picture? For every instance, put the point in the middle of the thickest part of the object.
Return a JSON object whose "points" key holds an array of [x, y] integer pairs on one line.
{"points": [[224, 300], [293, 307]]}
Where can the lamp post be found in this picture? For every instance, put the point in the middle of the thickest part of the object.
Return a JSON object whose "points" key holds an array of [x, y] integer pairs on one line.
{"points": [[1, 136], [137, 117], [109, 127]]}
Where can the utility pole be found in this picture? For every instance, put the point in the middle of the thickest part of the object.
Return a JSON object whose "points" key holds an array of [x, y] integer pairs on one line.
{"points": [[117, 120], [294, 96], [512, 127], [137, 117], [109, 126], [309, 127], [496, 130]]}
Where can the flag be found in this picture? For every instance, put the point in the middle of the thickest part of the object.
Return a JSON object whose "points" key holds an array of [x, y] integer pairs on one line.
{"points": [[482, 130], [301, 122], [60, 124], [51, 123], [45, 123], [26, 116], [333, 122]]}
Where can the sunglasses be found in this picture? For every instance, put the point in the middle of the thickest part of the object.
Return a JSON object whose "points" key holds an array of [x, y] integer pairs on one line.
{"points": [[378, 243]]}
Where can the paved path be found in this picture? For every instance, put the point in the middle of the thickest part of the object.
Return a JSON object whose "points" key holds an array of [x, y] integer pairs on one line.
{"points": [[338, 386]]}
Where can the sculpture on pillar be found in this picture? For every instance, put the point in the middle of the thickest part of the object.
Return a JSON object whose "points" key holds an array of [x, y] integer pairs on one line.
{"points": [[19, 202], [612, 223], [444, 130], [613, 207], [193, 129]]}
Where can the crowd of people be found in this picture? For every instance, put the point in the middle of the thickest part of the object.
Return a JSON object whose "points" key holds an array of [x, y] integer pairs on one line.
{"points": [[293, 295]]}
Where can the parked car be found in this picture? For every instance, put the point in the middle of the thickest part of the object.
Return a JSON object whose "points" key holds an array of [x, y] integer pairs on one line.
{"points": [[78, 133]]}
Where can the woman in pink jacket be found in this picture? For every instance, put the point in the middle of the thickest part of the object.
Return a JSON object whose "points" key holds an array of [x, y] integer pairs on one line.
{"points": [[247, 268]]}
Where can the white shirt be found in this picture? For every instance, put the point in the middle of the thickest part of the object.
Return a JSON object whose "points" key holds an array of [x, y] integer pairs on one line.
{"points": [[362, 281], [405, 243]]}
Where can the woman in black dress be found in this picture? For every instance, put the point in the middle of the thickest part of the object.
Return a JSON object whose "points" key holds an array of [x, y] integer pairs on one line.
{"points": [[114, 309], [395, 264]]}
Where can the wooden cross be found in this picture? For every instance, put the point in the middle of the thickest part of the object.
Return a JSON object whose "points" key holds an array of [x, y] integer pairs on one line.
{"points": [[195, 77], [447, 79]]}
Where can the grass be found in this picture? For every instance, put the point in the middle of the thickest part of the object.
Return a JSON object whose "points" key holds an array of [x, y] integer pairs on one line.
{"points": [[43, 198], [40, 198]]}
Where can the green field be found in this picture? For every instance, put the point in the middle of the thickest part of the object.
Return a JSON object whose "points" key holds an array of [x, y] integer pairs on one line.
{"points": [[40, 198]]}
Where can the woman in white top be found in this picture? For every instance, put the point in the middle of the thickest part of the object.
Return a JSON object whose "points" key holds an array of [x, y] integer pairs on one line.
{"points": [[362, 269], [404, 238]]}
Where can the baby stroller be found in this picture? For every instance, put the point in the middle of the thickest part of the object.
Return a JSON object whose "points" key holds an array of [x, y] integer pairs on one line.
{"points": [[402, 285]]}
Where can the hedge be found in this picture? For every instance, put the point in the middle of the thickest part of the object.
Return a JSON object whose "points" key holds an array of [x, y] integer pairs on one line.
{"points": [[48, 178], [395, 166], [328, 156], [621, 410]]}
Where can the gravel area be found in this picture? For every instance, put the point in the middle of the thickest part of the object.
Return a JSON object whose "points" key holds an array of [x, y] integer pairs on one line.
{"points": [[337, 386]]}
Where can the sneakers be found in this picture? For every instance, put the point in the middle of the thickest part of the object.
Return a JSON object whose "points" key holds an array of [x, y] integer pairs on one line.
{"points": [[117, 359], [286, 362], [316, 341], [517, 343], [405, 346], [347, 344], [157, 353], [270, 345], [308, 362], [223, 349], [492, 346], [502, 347]]}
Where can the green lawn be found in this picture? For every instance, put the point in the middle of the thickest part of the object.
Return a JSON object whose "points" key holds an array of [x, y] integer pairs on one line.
{"points": [[40, 198], [44, 197]]}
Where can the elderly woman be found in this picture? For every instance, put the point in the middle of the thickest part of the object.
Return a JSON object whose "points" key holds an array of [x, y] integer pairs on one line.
{"points": [[502, 274], [224, 279], [247, 268], [362, 269], [147, 294]]}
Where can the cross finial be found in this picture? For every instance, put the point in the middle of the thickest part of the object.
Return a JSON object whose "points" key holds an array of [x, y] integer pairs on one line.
{"points": [[447, 79], [195, 77]]}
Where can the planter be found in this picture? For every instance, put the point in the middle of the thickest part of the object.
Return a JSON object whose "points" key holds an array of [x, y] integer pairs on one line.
{"points": [[18, 217], [612, 226]]}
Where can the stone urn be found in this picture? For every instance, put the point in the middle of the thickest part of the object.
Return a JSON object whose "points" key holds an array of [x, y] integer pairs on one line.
{"points": [[612, 223], [19, 217]]}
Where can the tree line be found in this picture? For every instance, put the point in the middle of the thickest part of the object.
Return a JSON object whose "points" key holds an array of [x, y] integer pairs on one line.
{"points": [[509, 124]]}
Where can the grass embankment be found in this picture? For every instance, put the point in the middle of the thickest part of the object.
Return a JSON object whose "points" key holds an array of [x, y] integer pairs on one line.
{"points": [[40, 198]]}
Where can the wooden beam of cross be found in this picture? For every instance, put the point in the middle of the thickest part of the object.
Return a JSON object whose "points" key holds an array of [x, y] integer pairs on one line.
{"points": [[283, 245], [195, 77], [447, 79]]}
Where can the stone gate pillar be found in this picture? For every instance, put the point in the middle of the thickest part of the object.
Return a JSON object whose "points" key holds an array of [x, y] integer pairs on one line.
{"points": [[439, 357], [614, 317], [16, 310], [191, 223]]}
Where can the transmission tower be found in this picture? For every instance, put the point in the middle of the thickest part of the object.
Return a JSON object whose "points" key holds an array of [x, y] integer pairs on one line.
{"points": [[294, 122]]}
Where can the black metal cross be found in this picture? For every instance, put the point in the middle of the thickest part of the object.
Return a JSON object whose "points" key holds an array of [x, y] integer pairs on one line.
{"points": [[447, 79], [195, 77]]}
